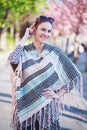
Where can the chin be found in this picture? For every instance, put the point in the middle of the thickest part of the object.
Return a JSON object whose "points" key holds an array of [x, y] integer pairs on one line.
{"points": [[44, 41]]}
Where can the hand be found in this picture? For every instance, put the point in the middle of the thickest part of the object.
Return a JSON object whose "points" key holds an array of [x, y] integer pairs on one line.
{"points": [[29, 31], [48, 92]]}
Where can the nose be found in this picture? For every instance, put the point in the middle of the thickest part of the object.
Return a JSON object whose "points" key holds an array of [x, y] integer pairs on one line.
{"points": [[47, 33]]}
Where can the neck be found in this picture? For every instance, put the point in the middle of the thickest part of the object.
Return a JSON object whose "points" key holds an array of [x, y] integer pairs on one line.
{"points": [[38, 45]]}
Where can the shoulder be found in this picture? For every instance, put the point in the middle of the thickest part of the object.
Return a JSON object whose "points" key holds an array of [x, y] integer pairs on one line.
{"points": [[28, 47], [59, 52], [51, 47], [55, 48]]}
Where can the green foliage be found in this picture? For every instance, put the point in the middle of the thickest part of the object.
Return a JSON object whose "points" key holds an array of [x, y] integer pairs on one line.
{"points": [[10, 10], [13, 13]]}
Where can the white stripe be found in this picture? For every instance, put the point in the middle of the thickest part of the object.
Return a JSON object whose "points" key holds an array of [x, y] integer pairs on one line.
{"points": [[35, 107], [30, 85], [34, 68], [33, 55], [29, 55]]}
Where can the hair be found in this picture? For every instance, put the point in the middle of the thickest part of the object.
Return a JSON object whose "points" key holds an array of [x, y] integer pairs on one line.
{"points": [[39, 21]]}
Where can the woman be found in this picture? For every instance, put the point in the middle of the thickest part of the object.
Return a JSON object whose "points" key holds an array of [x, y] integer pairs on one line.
{"points": [[41, 75]]}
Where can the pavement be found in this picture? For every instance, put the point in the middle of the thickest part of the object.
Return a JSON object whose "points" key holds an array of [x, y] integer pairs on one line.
{"points": [[5, 93], [74, 118]]}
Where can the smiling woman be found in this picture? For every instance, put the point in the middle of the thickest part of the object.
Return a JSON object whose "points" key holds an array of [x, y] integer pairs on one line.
{"points": [[41, 75]]}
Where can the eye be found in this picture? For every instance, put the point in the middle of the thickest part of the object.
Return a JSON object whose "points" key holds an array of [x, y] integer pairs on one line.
{"points": [[43, 29], [49, 31]]}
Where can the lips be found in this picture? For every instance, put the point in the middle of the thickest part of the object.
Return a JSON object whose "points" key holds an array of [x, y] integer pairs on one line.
{"points": [[44, 37]]}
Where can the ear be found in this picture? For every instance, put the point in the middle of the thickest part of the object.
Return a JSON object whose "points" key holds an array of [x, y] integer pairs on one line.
{"points": [[34, 30]]}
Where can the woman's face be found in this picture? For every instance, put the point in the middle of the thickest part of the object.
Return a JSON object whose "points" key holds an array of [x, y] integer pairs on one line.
{"points": [[43, 32]]}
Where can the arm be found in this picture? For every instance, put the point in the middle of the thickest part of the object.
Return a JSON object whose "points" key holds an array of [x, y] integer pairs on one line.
{"points": [[14, 57]]}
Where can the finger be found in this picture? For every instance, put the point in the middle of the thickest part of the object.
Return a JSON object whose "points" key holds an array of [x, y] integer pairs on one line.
{"points": [[46, 89], [50, 95], [27, 29], [32, 26], [47, 93]]}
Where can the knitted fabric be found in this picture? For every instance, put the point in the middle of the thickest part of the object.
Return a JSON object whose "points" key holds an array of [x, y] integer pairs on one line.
{"points": [[35, 72]]}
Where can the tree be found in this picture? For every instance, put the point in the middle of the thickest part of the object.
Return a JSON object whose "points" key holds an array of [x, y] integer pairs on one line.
{"points": [[13, 11], [70, 17]]}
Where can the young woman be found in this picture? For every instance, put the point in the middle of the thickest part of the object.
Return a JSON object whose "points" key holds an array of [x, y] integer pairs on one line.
{"points": [[41, 75]]}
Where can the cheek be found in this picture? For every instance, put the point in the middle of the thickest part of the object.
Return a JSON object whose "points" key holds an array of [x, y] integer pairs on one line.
{"points": [[50, 34], [39, 33]]}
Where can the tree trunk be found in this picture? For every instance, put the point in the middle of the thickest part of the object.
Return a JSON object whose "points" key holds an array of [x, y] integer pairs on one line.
{"points": [[3, 39], [17, 37], [17, 26], [76, 54], [12, 31]]}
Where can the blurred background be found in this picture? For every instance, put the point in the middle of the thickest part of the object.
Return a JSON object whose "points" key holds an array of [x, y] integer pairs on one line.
{"points": [[70, 34]]}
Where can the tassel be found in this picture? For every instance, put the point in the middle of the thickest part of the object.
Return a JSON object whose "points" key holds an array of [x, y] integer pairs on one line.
{"points": [[80, 85], [34, 120], [49, 116], [20, 126], [31, 123], [40, 120], [46, 121], [56, 113], [42, 116], [63, 104], [52, 111], [26, 125], [59, 107], [43, 119]]}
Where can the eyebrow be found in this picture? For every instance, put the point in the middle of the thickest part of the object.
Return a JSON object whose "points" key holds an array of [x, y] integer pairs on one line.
{"points": [[45, 28]]}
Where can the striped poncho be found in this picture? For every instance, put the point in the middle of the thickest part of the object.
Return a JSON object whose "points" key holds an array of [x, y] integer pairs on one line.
{"points": [[33, 72]]}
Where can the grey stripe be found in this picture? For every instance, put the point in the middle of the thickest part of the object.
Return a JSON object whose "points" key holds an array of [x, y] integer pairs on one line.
{"points": [[36, 93], [30, 62], [34, 75]]}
